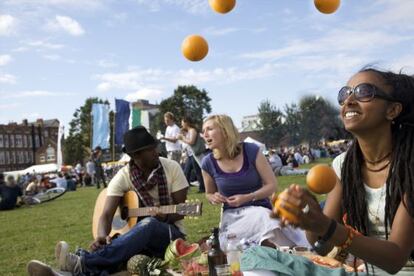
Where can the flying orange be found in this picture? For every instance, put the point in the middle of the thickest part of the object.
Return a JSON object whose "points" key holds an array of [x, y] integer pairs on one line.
{"points": [[327, 6], [194, 47], [321, 179], [222, 6]]}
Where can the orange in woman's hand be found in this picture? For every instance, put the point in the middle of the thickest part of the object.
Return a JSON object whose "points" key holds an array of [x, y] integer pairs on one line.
{"points": [[321, 179], [283, 213]]}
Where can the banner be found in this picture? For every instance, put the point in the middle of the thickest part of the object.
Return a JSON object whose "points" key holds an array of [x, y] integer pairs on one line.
{"points": [[136, 117], [100, 129], [59, 145], [121, 120]]}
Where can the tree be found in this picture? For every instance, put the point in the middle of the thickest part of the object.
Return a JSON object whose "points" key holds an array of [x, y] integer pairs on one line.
{"points": [[319, 119], [293, 121], [271, 121], [187, 100], [77, 144]]}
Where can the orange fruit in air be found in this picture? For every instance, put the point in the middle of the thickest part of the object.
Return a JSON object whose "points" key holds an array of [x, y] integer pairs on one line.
{"points": [[327, 6], [222, 6], [283, 213], [194, 47], [321, 179]]}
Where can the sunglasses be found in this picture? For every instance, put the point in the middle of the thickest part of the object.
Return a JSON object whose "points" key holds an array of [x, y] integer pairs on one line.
{"points": [[363, 92]]}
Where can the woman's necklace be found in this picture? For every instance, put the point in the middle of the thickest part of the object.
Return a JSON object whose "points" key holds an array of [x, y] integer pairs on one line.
{"points": [[378, 160], [376, 216], [379, 169]]}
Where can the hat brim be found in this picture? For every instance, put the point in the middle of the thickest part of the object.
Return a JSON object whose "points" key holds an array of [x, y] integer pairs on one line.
{"points": [[140, 149]]}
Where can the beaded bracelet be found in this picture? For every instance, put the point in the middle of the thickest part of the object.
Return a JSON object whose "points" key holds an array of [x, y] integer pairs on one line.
{"points": [[352, 232]]}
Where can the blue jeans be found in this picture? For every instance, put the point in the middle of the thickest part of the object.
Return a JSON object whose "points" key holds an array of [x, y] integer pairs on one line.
{"points": [[148, 236]]}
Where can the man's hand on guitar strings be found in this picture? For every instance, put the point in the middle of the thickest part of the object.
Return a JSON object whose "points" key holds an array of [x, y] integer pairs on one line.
{"points": [[155, 212]]}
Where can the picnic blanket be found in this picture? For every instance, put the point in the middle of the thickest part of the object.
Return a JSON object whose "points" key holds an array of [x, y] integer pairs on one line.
{"points": [[280, 263]]}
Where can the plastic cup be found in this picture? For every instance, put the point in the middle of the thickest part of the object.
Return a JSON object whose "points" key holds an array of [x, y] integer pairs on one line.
{"points": [[223, 270], [301, 251]]}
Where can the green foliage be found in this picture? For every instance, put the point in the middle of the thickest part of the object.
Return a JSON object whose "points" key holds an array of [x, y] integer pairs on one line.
{"points": [[310, 121], [319, 119], [271, 122], [77, 144], [293, 120], [187, 100]]}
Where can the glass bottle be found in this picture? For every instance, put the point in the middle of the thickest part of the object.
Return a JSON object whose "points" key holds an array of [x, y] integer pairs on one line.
{"points": [[215, 255]]}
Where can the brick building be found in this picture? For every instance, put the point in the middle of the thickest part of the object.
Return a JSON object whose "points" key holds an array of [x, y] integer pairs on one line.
{"points": [[26, 144]]}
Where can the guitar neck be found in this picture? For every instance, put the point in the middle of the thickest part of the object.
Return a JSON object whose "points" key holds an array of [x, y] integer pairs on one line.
{"points": [[145, 211]]}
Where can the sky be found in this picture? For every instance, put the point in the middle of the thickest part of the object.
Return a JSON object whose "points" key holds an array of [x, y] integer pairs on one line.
{"points": [[54, 54]]}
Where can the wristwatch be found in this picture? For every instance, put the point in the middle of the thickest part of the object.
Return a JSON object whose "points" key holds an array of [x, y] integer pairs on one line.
{"points": [[320, 243]]}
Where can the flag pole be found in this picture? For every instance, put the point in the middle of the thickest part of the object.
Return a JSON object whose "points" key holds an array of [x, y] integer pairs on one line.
{"points": [[113, 135]]}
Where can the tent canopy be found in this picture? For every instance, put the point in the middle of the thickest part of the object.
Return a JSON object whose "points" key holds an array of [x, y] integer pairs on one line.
{"points": [[46, 168], [261, 146]]}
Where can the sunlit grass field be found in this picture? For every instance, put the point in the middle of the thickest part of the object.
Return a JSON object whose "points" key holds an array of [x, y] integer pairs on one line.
{"points": [[31, 232]]}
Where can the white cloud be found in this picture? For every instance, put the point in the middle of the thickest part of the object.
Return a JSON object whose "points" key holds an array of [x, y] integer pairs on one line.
{"points": [[52, 57], [7, 78], [79, 4], [106, 63], [34, 93], [5, 59], [220, 31], [343, 41], [44, 44], [8, 24], [191, 6], [67, 24], [144, 93]]}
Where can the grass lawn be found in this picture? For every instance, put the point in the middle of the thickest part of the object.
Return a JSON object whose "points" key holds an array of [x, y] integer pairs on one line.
{"points": [[32, 232]]}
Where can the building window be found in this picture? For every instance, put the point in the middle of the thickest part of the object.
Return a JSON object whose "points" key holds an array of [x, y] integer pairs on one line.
{"points": [[46, 133], [6, 141], [11, 140], [1, 140], [19, 141], [37, 144], [2, 158], [24, 141], [20, 159], [50, 153], [7, 157], [12, 157], [42, 158], [29, 142]]}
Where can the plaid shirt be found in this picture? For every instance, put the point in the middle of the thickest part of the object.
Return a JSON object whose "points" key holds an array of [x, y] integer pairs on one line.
{"points": [[156, 178]]}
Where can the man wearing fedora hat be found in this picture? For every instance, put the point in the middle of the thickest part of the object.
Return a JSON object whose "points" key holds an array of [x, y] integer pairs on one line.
{"points": [[157, 181]]}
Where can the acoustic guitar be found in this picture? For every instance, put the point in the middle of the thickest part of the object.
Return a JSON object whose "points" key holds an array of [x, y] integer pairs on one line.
{"points": [[126, 215]]}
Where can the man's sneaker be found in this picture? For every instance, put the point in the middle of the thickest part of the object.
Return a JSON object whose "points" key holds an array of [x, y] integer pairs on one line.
{"points": [[67, 261], [36, 268]]}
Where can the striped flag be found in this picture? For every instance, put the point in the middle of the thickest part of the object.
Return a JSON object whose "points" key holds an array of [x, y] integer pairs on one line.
{"points": [[100, 128]]}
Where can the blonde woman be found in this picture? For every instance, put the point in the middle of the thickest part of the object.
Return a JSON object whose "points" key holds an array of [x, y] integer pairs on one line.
{"points": [[238, 176]]}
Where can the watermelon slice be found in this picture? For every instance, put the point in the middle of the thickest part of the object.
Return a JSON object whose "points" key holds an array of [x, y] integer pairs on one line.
{"points": [[178, 250]]}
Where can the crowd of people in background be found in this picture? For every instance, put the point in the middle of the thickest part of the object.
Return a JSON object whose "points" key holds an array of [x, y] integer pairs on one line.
{"points": [[181, 144]]}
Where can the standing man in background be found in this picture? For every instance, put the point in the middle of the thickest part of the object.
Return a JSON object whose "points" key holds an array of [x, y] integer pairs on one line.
{"points": [[99, 172], [172, 144]]}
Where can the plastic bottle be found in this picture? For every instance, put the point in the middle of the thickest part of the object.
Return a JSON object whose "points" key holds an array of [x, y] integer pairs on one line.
{"points": [[233, 252], [215, 255]]}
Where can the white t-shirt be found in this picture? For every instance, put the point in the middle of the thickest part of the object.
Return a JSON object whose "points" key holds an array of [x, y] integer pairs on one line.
{"points": [[176, 181], [172, 132], [376, 208]]}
